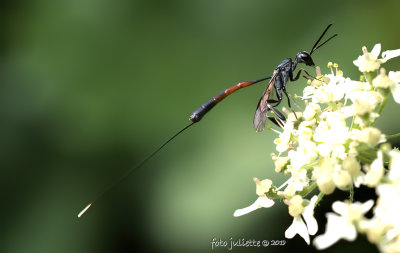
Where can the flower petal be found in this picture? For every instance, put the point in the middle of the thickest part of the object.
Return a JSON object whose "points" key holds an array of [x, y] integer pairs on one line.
{"points": [[308, 216], [395, 89], [375, 172], [376, 50], [340, 207], [298, 227], [357, 62], [394, 165], [387, 55], [395, 76], [260, 202], [366, 206], [336, 229]]}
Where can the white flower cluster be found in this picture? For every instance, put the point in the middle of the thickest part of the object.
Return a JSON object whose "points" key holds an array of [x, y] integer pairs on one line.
{"points": [[332, 145]]}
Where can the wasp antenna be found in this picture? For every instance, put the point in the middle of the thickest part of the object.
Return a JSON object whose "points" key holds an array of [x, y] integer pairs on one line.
{"points": [[319, 39], [325, 42]]}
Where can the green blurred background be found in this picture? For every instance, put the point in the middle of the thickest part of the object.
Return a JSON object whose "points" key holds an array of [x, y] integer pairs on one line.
{"points": [[89, 88]]}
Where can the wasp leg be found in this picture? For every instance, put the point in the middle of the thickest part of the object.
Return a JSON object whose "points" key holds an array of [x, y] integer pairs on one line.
{"points": [[296, 77], [288, 99], [276, 121], [308, 74], [278, 113]]}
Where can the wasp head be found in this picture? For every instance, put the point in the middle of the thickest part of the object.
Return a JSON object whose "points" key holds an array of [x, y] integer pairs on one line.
{"points": [[304, 57]]}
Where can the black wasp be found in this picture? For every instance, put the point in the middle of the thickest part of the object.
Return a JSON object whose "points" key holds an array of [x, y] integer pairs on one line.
{"points": [[277, 84]]}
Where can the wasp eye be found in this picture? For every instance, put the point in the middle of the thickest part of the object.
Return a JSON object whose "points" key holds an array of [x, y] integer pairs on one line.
{"points": [[305, 55]]}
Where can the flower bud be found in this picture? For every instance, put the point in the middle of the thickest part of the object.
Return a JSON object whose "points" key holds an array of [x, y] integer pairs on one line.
{"points": [[325, 184], [342, 179], [263, 186], [382, 80], [374, 230], [311, 110], [280, 163], [365, 101], [370, 136], [351, 165], [296, 205]]}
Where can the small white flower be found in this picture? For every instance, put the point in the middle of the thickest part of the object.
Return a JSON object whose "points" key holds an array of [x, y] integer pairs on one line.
{"points": [[339, 151], [311, 110], [280, 162], [341, 178], [387, 208], [370, 136], [374, 172], [331, 134], [262, 187], [305, 153], [382, 80], [390, 246], [347, 111], [308, 92], [304, 132], [262, 201], [342, 226], [325, 183], [365, 101], [352, 86], [334, 135], [374, 228], [295, 205], [322, 174], [351, 165], [283, 141], [328, 93], [369, 62], [321, 132], [310, 227], [297, 182], [337, 228], [308, 150], [298, 227]]}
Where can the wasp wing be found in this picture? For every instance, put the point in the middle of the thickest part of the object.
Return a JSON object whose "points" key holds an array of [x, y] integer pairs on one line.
{"points": [[264, 105]]}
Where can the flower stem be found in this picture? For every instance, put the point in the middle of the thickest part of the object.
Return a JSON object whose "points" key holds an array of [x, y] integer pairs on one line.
{"points": [[393, 136], [351, 193], [320, 196], [310, 165], [380, 109], [308, 189]]}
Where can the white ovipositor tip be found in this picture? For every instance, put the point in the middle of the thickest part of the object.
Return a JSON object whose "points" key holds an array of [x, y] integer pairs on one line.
{"points": [[84, 210]]}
